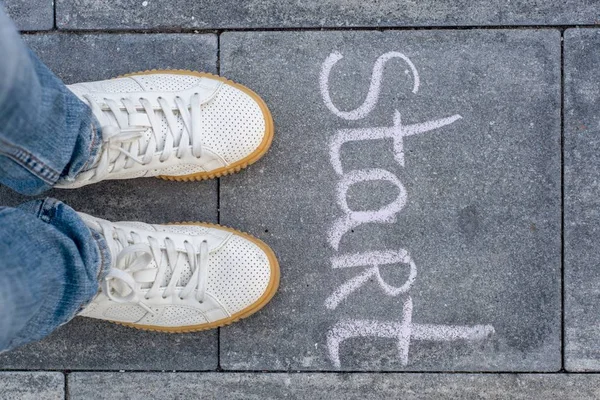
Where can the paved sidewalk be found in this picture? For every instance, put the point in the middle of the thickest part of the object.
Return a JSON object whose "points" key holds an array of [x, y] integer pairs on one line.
{"points": [[432, 196]]}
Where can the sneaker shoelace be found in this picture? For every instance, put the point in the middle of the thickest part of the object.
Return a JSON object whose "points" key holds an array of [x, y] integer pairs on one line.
{"points": [[131, 267], [124, 145]]}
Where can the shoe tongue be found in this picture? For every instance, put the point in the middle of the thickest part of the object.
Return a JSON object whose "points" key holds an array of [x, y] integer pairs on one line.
{"points": [[186, 270], [184, 276], [147, 135]]}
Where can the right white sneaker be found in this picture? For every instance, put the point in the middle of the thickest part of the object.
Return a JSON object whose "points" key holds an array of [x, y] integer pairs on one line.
{"points": [[177, 125], [181, 278]]}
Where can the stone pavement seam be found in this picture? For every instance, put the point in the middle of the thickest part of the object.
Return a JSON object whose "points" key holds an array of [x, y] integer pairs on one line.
{"points": [[562, 198], [311, 29]]}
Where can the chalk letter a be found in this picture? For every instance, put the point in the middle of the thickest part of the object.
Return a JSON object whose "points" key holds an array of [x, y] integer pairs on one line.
{"points": [[352, 219]]}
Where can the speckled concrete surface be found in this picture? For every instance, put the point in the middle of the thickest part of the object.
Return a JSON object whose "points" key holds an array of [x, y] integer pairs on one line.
{"points": [[502, 104], [481, 217]]}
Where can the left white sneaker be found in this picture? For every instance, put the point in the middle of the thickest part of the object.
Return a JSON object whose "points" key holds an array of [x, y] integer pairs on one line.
{"points": [[178, 125], [181, 278]]}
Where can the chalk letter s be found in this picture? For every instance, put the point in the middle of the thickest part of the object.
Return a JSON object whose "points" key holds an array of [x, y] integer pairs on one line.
{"points": [[374, 88]]}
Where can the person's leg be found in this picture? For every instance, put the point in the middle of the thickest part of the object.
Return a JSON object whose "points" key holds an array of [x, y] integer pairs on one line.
{"points": [[50, 268], [46, 132], [171, 278]]}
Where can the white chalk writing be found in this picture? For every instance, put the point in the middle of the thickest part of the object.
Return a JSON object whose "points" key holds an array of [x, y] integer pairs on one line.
{"points": [[404, 330]]}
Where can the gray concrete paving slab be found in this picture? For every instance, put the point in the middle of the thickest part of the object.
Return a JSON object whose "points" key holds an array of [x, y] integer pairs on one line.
{"points": [[582, 217], [315, 386], [30, 15], [32, 385], [213, 14], [412, 195]]}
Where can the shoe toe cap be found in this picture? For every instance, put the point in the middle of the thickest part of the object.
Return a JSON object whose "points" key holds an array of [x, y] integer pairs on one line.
{"points": [[245, 276], [238, 124]]}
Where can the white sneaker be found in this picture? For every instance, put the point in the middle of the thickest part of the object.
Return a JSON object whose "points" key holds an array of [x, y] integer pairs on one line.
{"points": [[181, 278], [178, 125]]}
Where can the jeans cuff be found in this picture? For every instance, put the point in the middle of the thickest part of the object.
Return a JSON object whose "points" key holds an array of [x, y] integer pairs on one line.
{"points": [[46, 210], [95, 145], [28, 161], [104, 254]]}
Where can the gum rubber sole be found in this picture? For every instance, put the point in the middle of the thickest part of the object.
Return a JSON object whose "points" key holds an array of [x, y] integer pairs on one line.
{"points": [[240, 164], [246, 312]]}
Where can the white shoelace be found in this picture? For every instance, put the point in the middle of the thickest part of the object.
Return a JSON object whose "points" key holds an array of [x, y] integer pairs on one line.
{"points": [[126, 138], [131, 267]]}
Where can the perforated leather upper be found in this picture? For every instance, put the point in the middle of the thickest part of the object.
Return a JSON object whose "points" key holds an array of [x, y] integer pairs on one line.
{"points": [[239, 273], [232, 123]]}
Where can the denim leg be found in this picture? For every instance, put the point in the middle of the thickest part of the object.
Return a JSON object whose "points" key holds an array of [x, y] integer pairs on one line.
{"points": [[50, 268], [46, 132]]}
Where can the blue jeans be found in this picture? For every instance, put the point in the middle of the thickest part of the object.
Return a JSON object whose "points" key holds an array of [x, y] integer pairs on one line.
{"points": [[50, 262]]}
